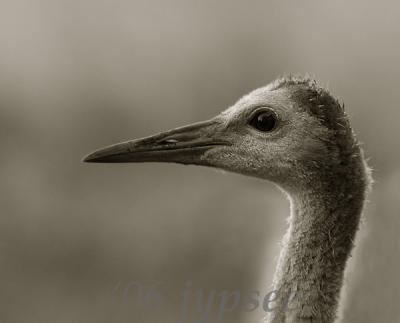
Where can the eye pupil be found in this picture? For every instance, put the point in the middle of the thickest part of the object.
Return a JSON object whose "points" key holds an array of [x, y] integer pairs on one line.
{"points": [[264, 121]]}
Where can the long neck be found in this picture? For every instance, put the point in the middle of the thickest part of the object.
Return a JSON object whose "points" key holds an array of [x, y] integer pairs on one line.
{"points": [[323, 223]]}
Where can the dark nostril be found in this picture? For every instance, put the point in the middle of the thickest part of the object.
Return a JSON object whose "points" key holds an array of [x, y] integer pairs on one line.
{"points": [[168, 141]]}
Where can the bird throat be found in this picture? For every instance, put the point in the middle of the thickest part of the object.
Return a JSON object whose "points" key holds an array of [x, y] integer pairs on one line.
{"points": [[322, 226]]}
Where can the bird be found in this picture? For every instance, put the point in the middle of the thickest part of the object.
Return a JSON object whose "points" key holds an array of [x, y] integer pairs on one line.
{"points": [[295, 133]]}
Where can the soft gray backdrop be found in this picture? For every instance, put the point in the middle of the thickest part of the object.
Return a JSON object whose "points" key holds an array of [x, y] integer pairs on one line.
{"points": [[78, 75]]}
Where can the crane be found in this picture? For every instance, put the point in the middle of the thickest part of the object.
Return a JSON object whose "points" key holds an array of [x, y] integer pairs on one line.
{"points": [[296, 134]]}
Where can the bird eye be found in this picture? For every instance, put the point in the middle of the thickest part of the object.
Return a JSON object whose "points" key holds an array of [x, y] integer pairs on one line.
{"points": [[264, 120]]}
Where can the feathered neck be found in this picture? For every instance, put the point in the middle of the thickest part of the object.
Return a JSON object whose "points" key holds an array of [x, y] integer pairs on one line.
{"points": [[322, 226]]}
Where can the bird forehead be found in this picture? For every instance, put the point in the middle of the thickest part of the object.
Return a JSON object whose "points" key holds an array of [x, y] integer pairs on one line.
{"points": [[278, 99]]}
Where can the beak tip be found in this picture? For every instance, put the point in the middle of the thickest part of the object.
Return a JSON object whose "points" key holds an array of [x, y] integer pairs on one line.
{"points": [[88, 159], [111, 154], [94, 157]]}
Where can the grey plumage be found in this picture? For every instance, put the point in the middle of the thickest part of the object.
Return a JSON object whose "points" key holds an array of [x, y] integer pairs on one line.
{"points": [[308, 149], [325, 212]]}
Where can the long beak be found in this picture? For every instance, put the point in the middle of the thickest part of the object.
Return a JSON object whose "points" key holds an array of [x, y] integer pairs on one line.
{"points": [[184, 145]]}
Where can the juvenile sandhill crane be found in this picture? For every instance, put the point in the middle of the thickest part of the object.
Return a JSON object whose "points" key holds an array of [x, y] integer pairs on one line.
{"points": [[296, 134]]}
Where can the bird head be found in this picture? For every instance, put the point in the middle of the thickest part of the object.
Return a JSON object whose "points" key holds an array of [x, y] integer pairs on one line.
{"points": [[282, 132]]}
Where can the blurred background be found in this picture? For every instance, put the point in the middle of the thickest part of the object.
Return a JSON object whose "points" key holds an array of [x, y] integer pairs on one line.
{"points": [[79, 75]]}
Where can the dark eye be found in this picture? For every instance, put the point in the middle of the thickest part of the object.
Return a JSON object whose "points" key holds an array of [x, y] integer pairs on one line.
{"points": [[264, 120]]}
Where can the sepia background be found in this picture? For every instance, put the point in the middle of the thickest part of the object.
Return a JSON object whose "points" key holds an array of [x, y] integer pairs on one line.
{"points": [[79, 75]]}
